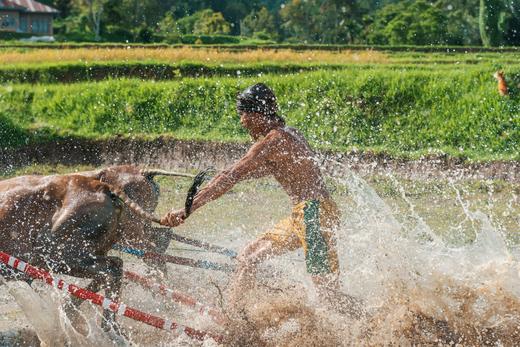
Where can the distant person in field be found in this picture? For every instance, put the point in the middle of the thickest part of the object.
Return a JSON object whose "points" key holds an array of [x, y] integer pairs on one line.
{"points": [[502, 85], [282, 152]]}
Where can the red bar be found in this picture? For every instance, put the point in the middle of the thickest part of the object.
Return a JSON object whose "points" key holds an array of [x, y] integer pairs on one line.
{"points": [[98, 299]]}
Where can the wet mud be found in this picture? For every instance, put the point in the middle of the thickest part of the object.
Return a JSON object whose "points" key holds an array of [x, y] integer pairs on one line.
{"points": [[170, 153]]}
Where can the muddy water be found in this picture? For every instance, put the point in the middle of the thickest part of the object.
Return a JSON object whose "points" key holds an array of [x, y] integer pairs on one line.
{"points": [[438, 267], [422, 290]]}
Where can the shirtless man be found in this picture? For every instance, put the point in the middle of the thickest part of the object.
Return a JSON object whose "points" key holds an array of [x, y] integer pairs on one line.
{"points": [[284, 153]]}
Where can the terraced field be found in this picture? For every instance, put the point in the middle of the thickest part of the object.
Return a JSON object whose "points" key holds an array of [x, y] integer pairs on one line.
{"points": [[403, 104]]}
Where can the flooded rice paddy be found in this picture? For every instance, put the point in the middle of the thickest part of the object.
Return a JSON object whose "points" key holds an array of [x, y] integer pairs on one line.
{"points": [[433, 261]]}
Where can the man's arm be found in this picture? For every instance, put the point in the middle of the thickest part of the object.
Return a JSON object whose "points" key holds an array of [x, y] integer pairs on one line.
{"points": [[252, 165]]}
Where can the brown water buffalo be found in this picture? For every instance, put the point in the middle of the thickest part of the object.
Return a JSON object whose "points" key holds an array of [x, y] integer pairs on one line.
{"points": [[68, 223]]}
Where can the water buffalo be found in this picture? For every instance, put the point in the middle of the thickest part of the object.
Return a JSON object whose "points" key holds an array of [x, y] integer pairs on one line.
{"points": [[68, 223]]}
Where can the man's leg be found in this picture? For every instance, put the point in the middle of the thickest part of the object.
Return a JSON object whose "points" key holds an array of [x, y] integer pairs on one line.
{"points": [[279, 240], [248, 260], [329, 291], [320, 219]]}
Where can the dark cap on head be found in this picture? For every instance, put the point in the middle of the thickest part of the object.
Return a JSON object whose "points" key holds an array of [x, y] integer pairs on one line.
{"points": [[257, 98]]}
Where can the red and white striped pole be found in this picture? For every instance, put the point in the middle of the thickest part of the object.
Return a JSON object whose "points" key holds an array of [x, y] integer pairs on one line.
{"points": [[178, 297], [97, 299]]}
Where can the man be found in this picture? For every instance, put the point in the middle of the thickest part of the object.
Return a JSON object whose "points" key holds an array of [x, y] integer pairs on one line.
{"points": [[284, 153]]}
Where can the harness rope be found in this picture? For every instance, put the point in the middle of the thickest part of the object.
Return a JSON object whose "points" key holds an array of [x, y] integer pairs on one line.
{"points": [[178, 297], [202, 264], [204, 245]]}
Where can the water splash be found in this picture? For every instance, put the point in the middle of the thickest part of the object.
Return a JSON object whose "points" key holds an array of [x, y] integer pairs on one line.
{"points": [[421, 290], [418, 288], [43, 310]]}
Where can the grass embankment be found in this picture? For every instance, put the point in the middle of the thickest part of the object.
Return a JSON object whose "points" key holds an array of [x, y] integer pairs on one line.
{"points": [[81, 72], [78, 65], [252, 44], [98, 71], [11, 57], [185, 54], [401, 112]]}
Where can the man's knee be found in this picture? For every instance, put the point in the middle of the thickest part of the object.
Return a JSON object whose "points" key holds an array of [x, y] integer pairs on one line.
{"points": [[245, 258], [256, 252]]}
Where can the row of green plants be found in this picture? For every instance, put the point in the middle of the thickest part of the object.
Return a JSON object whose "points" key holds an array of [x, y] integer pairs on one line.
{"points": [[401, 112], [230, 42], [84, 72], [79, 72]]}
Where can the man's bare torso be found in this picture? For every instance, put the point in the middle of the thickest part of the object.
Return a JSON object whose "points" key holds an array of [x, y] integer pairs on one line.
{"points": [[292, 163], [282, 153]]}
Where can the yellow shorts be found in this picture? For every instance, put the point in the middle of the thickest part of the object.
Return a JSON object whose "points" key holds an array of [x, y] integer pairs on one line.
{"points": [[311, 226]]}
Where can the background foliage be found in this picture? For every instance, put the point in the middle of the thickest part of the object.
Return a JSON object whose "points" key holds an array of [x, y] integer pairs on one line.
{"points": [[413, 22]]}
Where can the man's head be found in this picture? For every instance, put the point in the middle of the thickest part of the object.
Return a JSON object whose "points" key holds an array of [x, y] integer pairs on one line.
{"points": [[258, 109]]}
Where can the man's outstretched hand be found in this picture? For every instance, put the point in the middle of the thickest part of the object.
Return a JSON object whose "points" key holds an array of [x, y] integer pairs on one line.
{"points": [[174, 218]]}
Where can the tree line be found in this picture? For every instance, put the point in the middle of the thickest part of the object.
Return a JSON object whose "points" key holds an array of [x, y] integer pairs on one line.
{"points": [[381, 22]]}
